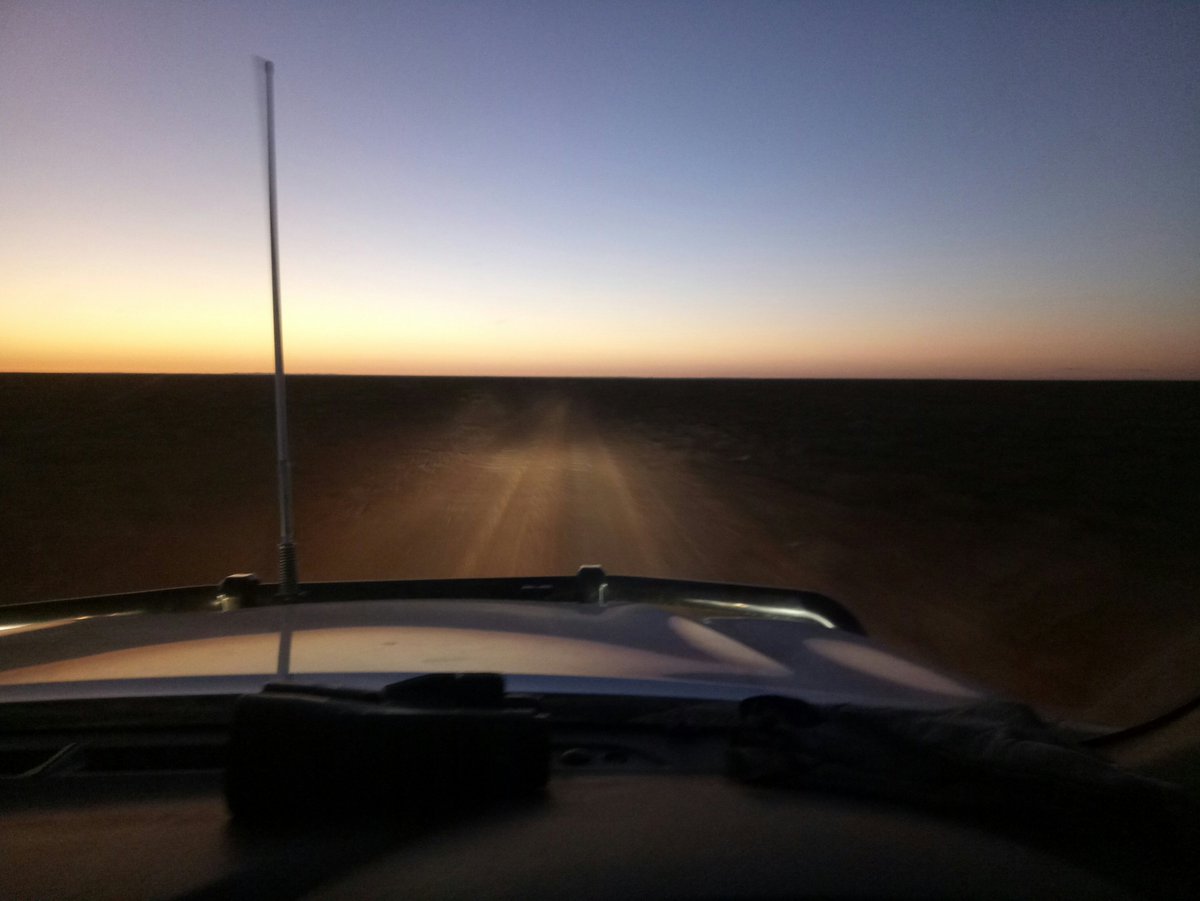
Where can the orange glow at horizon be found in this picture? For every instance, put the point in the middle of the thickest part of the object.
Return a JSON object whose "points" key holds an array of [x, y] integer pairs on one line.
{"points": [[145, 338], [122, 320]]}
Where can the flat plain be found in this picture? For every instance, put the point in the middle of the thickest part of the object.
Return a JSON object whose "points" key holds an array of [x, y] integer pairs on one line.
{"points": [[1038, 537]]}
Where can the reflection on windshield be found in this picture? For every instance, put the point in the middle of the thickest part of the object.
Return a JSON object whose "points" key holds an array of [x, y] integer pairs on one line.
{"points": [[886, 666]]}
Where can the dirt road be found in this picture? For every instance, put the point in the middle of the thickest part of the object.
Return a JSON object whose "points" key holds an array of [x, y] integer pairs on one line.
{"points": [[547, 490]]}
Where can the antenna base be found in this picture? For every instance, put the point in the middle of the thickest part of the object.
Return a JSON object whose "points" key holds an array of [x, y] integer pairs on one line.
{"points": [[289, 588]]}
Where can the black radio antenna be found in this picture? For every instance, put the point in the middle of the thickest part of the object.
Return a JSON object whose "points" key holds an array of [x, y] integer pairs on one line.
{"points": [[288, 589]]}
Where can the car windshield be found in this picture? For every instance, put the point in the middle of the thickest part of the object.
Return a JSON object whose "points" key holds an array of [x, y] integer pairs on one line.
{"points": [[894, 302]]}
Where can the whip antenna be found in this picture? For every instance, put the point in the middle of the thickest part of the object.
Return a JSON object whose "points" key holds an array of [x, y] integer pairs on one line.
{"points": [[287, 548]]}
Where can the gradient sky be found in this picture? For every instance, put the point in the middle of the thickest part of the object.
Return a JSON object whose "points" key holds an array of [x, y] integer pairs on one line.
{"points": [[700, 189]]}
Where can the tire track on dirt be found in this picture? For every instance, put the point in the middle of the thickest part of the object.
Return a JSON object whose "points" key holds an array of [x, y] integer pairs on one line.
{"points": [[547, 488]]}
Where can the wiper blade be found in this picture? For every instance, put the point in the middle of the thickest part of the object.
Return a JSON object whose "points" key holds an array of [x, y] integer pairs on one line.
{"points": [[591, 585], [432, 690]]}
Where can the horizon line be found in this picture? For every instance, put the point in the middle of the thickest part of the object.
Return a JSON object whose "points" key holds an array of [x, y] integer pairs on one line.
{"points": [[661, 378]]}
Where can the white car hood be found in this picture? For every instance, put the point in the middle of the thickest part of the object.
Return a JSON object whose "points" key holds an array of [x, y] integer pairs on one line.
{"points": [[391, 639]]}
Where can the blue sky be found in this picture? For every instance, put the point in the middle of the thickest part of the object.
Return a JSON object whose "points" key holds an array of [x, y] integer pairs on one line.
{"points": [[790, 189]]}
